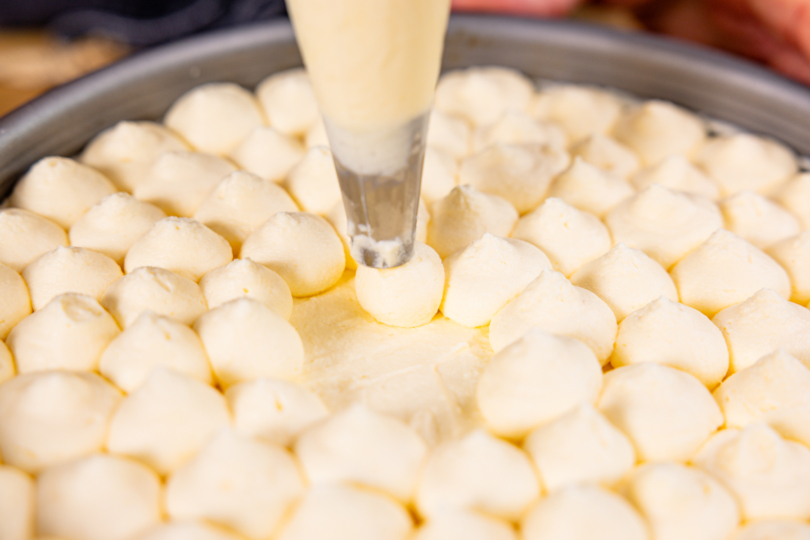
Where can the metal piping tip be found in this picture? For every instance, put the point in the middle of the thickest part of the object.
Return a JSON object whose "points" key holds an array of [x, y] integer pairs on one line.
{"points": [[381, 207]]}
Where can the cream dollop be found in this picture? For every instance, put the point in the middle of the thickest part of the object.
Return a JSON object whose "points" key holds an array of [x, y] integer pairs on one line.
{"points": [[449, 134], [667, 413], [553, 305], [125, 152], [580, 446], [246, 340], [659, 129], [167, 420], [52, 417], [762, 323], [775, 390], [583, 513], [465, 215], [439, 174], [60, 189], [589, 188], [150, 343], [758, 219], [769, 476], [795, 196], [215, 117], [408, 295], [477, 472], [114, 224], [273, 410], [672, 334], [681, 502], [155, 289], [302, 248], [365, 448], [676, 173], [664, 224], [793, 254], [178, 182], [269, 154], [69, 269], [742, 161], [184, 246], [607, 154], [581, 110], [239, 204], [534, 380], [626, 279], [517, 128], [243, 278], [313, 183], [99, 497], [567, 235], [484, 276], [725, 270], [520, 173], [70, 332], [17, 504], [16, 304], [341, 512], [237, 482], [481, 95], [24, 236], [456, 524], [289, 102]]}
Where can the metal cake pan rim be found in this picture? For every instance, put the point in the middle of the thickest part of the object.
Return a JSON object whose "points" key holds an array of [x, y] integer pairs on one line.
{"points": [[33, 121]]}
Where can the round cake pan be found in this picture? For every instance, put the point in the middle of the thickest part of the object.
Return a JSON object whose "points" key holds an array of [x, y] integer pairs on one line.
{"points": [[144, 85]]}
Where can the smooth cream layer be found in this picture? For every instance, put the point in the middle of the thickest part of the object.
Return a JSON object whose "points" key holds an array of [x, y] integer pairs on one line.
{"points": [[425, 376]]}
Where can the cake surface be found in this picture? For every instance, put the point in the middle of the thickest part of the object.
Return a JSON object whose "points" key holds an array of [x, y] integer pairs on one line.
{"points": [[604, 332]]}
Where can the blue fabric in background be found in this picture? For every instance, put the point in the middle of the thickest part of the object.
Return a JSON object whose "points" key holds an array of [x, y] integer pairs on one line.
{"points": [[136, 22]]}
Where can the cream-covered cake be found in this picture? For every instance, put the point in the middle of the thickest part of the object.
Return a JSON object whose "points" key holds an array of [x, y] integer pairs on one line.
{"points": [[603, 332]]}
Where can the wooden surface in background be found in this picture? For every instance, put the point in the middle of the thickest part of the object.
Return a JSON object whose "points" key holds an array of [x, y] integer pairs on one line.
{"points": [[33, 61]]}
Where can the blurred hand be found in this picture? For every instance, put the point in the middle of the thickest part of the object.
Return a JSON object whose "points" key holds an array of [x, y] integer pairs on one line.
{"points": [[775, 32]]}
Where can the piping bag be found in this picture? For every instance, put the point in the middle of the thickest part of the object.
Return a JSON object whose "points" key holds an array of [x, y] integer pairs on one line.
{"points": [[374, 65]]}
